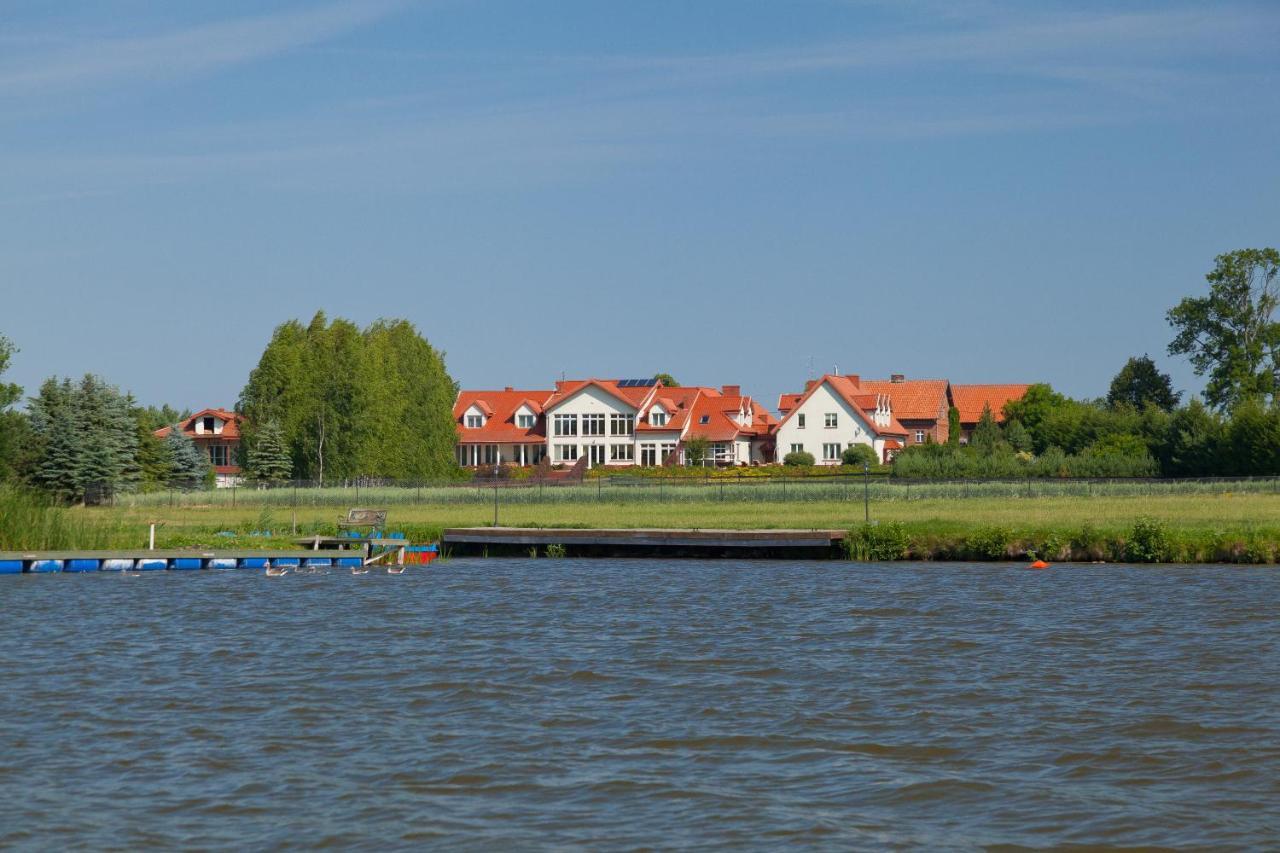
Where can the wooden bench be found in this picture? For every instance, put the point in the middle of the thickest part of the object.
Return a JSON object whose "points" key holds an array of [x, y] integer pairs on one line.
{"points": [[363, 519]]}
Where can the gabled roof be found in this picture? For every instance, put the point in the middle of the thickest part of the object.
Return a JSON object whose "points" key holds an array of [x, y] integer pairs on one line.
{"points": [[913, 399], [863, 403], [787, 402], [970, 400], [231, 424], [500, 424], [634, 396], [677, 402]]}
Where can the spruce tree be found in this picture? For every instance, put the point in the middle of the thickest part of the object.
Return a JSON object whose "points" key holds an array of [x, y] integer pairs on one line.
{"points": [[953, 426], [268, 460], [190, 465], [986, 435]]}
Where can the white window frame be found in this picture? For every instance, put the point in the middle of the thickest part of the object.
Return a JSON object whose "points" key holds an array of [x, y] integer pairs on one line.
{"points": [[831, 451], [475, 421], [649, 454], [622, 452], [622, 424], [800, 421], [658, 418], [596, 454], [566, 453], [830, 420], [919, 436], [526, 421], [797, 448], [566, 424], [593, 424]]}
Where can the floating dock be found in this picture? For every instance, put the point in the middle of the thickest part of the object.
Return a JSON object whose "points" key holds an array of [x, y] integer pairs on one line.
{"points": [[642, 542], [37, 562]]}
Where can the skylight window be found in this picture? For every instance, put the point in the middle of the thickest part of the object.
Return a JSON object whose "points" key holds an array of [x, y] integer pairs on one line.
{"points": [[705, 419]]}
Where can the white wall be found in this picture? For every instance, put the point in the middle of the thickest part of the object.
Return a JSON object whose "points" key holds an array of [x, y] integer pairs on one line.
{"points": [[590, 400], [851, 426]]}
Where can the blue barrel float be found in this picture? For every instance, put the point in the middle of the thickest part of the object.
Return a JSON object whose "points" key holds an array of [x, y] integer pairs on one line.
{"points": [[44, 566], [82, 565], [317, 562], [351, 562], [186, 563], [10, 567], [254, 563], [222, 563], [285, 562], [151, 564], [117, 565]]}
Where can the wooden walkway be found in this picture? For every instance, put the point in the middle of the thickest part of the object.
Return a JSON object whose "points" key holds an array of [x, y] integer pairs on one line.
{"points": [[625, 542]]}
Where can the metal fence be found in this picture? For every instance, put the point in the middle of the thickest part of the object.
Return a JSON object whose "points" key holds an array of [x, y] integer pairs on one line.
{"points": [[747, 489]]}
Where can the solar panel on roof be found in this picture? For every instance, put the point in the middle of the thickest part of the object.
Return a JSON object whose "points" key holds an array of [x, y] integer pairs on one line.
{"points": [[636, 383]]}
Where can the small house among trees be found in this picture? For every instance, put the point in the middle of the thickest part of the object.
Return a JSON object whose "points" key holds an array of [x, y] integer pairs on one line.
{"points": [[216, 435]]}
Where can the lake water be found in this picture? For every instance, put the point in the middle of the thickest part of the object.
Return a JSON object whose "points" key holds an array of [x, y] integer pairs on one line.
{"points": [[607, 704]]}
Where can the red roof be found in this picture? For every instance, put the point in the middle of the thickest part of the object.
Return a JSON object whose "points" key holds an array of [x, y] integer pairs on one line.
{"points": [[860, 401], [500, 408], [230, 428], [971, 399], [912, 399], [634, 396]]}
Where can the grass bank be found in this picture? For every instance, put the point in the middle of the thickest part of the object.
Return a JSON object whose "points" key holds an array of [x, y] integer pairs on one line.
{"points": [[1187, 527]]}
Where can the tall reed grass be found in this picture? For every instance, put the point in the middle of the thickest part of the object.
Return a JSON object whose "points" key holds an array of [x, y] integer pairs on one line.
{"points": [[30, 521]]}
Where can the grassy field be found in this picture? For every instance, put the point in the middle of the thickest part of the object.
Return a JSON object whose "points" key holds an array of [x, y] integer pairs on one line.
{"points": [[1230, 527]]}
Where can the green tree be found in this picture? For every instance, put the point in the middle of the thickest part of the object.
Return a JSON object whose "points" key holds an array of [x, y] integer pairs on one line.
{"points": [[696, 450], [1140, 383], [12, 424], [1253, 439], [351, 403], [953, 426], [1035, 407], [1230, 335], [986, 435], [58, 450], [155, 464], [859, 455], [1193, 445], [666, 379], [268, 458], [1017, 436], [190, 465]]}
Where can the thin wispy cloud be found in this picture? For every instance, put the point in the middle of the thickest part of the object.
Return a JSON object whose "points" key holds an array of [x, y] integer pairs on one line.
{"points": [[193, 50]]}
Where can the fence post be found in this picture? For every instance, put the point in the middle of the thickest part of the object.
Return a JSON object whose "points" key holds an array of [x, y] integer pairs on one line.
{"points": [[295, 494], [1028, 487]]}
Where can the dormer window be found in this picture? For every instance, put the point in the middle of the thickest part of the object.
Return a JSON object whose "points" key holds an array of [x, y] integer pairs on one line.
{"points": [[208, 424], [525, 421], [657, 418], [705, 419], [475, 421]]}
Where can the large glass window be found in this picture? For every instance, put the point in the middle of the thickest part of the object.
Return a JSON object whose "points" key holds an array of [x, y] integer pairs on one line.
{"points": [[566, 425], [622, 452], [622, 424], [666, 449], [566, 453], [491, 454], [596, 452], [593, 424], [219, 455], [649, 455], [831, 452]]}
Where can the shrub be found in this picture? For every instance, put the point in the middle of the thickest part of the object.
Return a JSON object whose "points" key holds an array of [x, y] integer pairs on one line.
{"points": [[877, 543], [859, 455], [798, 458], [989, 543], [1148, 542]]}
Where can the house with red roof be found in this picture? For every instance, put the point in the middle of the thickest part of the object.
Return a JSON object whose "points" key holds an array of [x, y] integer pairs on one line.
{"points": [[217, 433], [970, 400], [920, 405], [834, 413], [500, 427]]}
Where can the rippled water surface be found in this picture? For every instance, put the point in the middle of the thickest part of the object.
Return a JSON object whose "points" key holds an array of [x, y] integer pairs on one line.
{"points": [[622, 703]]}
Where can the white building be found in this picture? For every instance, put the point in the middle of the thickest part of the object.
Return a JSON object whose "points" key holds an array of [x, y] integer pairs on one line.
{"points": [[835, 413]]}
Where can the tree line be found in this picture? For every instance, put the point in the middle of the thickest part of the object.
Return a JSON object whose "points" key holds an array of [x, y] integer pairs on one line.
{"points": [[1142, 427], [326, 401]]}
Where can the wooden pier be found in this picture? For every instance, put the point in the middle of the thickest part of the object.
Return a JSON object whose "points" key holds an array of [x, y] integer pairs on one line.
{"points": [[642, 542]]}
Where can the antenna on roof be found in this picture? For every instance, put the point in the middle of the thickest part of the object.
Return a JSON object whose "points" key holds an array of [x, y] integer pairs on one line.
{"points": [[811, 368]]}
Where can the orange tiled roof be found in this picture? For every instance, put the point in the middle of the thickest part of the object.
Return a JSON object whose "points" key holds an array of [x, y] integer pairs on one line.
{"points": [[500, 425], [970, 400], [230, 428], [632, 396], [853, 394], [913, 399]]}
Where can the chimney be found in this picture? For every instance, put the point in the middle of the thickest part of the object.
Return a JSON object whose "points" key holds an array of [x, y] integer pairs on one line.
{"points": [[854, 378], [731, 390], [508, 389], [898, 378], [559, 385]]}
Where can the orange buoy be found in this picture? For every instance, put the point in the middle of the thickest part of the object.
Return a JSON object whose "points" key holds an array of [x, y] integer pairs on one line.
{"points": [[1039, 564]]}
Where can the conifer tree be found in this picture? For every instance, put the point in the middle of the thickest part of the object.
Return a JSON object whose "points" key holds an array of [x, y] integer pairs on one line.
{"points": [[190, 465], [986, 435], [268, 460]]}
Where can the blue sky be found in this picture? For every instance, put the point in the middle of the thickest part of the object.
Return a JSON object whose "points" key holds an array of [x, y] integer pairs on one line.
{"points": [[728, 191]]}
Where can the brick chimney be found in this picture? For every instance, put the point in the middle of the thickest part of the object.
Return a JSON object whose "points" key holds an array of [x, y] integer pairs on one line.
{"points": [[854, 378], [731, 390], [508, 389], [898, 378], [809, 383], [559, 385]]}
